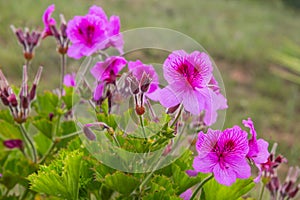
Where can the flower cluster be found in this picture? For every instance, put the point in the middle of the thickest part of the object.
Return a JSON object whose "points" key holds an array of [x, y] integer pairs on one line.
{"points": [[225, 153], [19, 107]]}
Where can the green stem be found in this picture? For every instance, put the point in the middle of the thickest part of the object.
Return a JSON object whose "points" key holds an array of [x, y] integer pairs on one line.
{"points": [[201, 185], [48, 152], [142, 124], [26, 136], [262, 189], [69, 135], [177, 116], [63, 71]]}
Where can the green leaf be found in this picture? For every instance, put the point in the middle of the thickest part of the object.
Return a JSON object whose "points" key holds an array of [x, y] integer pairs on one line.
{"points": [[6, 116], [61, 177], [45, 126], [67, 127], [213, 190], [122, 183], [46, 103], [42, 142], [9, 131], [70, 98]]}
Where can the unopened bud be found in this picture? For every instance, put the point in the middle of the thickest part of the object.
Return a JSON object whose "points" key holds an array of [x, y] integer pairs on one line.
{"points": [[4, 99], [51, 115], [172, 109], [88, 133], [133, 84], [63, 30], [294, 192], [145, 82], [55, 32], [13, 100]]}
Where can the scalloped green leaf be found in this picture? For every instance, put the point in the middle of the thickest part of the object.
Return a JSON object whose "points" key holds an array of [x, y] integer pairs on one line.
{"points": [[45, 126], [60, 178], [213, 190], [122, 183]]}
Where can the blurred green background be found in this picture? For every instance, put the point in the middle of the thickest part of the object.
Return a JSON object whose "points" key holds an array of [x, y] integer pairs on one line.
{"points": [[241, 36]]}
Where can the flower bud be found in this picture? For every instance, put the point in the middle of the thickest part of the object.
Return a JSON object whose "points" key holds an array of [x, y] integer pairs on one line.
{"points": [[88, 133], [133, 84], [145, 82], [13, 100], [14, 143]]}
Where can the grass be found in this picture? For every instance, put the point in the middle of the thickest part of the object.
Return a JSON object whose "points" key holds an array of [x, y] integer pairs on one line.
{"points": [[238, 34]]}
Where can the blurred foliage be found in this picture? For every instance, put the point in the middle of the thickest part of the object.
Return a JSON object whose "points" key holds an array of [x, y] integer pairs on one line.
{"points": [[289, 60]]}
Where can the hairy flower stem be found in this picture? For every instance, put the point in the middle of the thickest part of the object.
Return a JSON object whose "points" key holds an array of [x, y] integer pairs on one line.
{"points": [[262, 189], [32, 148], [201, 185], [63, 72]]}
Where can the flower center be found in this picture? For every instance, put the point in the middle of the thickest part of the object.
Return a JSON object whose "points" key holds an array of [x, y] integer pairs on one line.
{"points": [[190, 73], [87, 34]]}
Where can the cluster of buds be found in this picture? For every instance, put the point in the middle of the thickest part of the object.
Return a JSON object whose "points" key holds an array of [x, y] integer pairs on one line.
{"points": [[19, 107], [29, 41], [60, 35], [138, 90], [278, 190]]}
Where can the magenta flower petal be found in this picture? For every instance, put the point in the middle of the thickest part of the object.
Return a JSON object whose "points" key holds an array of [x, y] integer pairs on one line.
{"points": [[186, 195], [205, 164], [224, 176], [239, 165], [258, 149], [191, 173], [98, 11], [98, 92], [108, 69], [48, 21], [168, 98], [69, 80]]}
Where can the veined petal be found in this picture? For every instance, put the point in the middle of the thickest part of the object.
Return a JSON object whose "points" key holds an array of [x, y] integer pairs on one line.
{"points": [[224, 176], [205, 164], [239, 165], [168, 97]]}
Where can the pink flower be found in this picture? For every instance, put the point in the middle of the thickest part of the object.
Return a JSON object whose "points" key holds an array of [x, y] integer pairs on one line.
{"points": [[69, 80], [258, 149], [108, 70], [93, 32], [147, 78], [113, 28], [223, 154], [189, 77], [187, 194], [48, 21]]}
